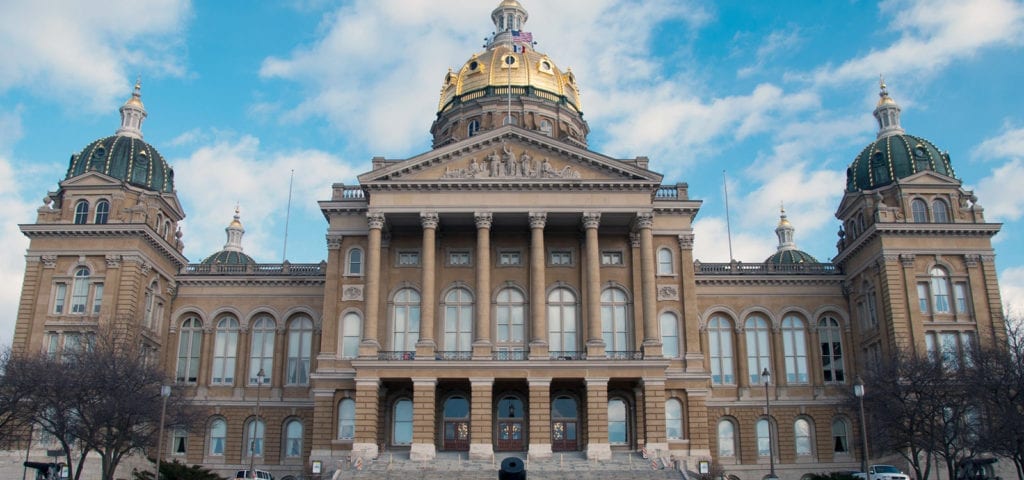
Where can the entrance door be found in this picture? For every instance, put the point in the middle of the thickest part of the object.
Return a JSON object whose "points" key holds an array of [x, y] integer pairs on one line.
{"points": [[564, 423], [456, 424], [511, 428]]}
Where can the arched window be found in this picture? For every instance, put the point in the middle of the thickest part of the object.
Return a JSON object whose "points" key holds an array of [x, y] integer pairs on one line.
{"points": [[150, 304], [80, 290], [618, 429], [940, 290], [458, 320], [670, 335], [831, 339], [81, 212], [919, 209], [674, 419], [940, 212], [300, 345], [254, 431], [159, 225], [401, 429], [190, 346], [293, 439], [665, 262], [545, 127], [347, 419], [764, 438], [562, 320], [473, 128], [510, 311], [615, 325], [225, 347], [758, 348], [102, 212], [726, 438], [351, 331], [218, 434], [720, 347], [840, 436], [794, 347], [355, 261], [167, 230], [802, 437], [262, 349], [405, 317]]}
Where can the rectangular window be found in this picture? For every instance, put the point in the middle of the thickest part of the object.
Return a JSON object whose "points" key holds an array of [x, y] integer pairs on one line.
{"points": [[52, 344], [960, 293], [509, 258], [459, 258], [79, 294], [179, 444], [60, 293], [561, 258], [97, 298], [408, 258], [922, 297], [611, 258]]}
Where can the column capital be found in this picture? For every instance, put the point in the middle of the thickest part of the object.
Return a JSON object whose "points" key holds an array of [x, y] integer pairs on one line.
{"points": [[634, 239], [907, 259], [334, 241], [686, 241], [644, 220], [972, 260], [483, 219], [538, 219], [375, 220], [429, 219], [591, 219]]}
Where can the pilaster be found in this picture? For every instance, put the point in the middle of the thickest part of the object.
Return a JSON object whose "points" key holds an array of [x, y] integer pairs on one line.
{"points": [[367, 414], [595, 344], [654, 418], [426, 346], [538, 299], [482, 342], [598, 447], [540, 418], [370, 345], [481, 406], [652, 340], [423, 407]]}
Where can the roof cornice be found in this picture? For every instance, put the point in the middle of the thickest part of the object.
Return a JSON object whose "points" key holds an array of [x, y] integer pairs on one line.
{"points": [[158, 243]]}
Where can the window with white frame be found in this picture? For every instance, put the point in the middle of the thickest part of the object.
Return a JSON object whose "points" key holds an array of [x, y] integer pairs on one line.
{"points": [[355, 261], [674, 419], [615, 325], [561, 258], [405, 320], [179, 441], [726, 438], [97, 298], [830, 337], [665, 262], [80, 290], [919, 210], [794, 349], [347, 419], [510, 313], [300, 346], [618, 430], [293, 439], [940, 290], [102, 212], [802, 437], [840, 436], [940, 211], [81, 212], [351, 331], [401, 423], [458, 320], [218, 436], [758, 347], [764, 438], [190, 346], [261, 355], [408, 258], [670, 335], [562, 333], [509, 258], [473, 128], [254, 431], [225, 348], [960, 298], [923, 298], [60, 293], [720, 347], [611, 258], [459, 258], [150, 303]]}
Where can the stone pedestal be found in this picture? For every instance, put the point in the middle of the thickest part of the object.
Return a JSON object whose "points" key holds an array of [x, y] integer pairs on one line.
{"points": [[539, 450], [599, 451], [422, 452], [481, 451]]}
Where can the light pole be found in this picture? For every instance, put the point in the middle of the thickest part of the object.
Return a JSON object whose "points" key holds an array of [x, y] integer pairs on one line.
{"points": [[766, 377], [858, 391], [255, 426], [165, 391]]}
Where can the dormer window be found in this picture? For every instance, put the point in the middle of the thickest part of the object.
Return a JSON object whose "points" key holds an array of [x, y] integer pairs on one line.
{"points": [[102, 212], [473, 128], [81, 212]]}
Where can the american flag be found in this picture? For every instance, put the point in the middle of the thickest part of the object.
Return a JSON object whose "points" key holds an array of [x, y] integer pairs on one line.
{"points": [[522, 37]]}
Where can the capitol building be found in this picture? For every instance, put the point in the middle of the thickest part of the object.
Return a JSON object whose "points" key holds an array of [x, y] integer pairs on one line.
{"points": [[513, 292]]}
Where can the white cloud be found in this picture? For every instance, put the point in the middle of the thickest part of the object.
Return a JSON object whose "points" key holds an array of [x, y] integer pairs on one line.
{"points": [[1011, 286], [216, 177], [87, 53], [1009, 144], [932, 35], [1001, 191], [17, 209], [711, 242], [776, 43]]}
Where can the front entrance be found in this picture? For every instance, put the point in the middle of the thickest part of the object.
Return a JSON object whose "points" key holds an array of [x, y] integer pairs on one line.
{"points": [[511, 428], [564, 424], [456, 424]]}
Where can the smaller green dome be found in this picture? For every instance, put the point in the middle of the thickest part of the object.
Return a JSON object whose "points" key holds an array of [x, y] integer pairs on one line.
{"points": [[228, 257], [790, 257], [125, 158], [893, 157]]}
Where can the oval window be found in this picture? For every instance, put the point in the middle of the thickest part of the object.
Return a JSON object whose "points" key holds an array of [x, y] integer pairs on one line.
{"points": [[473, 65]]}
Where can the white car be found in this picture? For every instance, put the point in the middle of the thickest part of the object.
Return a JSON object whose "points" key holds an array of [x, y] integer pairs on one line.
{"points": [[882, 472], [247, 475]]}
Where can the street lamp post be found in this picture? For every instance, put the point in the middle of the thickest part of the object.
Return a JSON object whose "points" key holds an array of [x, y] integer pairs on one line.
{"points": [[165, 391], [766, 377], [858, 391], [255, 426]]}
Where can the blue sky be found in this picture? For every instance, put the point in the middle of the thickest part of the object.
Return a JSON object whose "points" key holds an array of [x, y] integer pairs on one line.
{"points": [[778, 94]]}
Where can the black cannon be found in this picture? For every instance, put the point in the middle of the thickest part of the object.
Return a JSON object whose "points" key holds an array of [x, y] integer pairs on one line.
{"points": [[512, 468]]}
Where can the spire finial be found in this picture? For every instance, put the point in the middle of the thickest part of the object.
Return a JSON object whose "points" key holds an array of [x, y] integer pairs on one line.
{"points": [[784, 230], [133, 112], [887, 112], [235, 230]]}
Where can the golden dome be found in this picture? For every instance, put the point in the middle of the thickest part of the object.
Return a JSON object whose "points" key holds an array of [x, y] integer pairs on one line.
{"points": [[492, 71]]}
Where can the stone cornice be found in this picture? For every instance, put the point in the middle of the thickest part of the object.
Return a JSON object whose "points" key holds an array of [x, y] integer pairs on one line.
{"points": [[240, 281], [916, 229], [109, 231], [777, 280]]}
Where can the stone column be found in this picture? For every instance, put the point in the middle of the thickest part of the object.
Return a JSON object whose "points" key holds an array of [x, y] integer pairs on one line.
{"points": [[482, 343], [692, 354], [332, 295], [698, 427], [538, 299], [540, 418], [369, 347], [598, 447], [481, 419], [423, 408], [595, 344], [324, 425], [367, 414], [426, 346], [914, 320], [652, 339], [654, 414], [740, 357]]}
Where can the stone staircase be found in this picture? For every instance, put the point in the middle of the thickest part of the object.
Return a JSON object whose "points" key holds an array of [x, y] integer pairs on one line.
{"points": [[456, 466]]}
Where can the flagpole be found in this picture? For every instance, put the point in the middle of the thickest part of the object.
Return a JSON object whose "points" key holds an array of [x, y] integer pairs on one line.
{"points": [[287, 216], [728, 223]]}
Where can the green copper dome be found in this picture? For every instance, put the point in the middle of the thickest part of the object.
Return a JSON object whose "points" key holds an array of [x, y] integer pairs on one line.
{"points": [[125, 158], [227, 257], [790, 257], [893, 157]]}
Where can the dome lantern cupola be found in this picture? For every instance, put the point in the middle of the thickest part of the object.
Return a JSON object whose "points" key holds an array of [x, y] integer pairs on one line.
{"points": [[133, 113], [887, 113], [232, 253], [787, 253], [509, 18]]}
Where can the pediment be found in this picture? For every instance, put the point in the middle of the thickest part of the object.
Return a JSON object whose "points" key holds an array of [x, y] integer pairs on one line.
{"points": [[929, 178], [90, 179], [509, 155]]}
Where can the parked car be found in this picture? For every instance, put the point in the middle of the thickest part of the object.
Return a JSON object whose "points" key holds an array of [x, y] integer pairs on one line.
{"points": [[247, 475], [882, 472]]}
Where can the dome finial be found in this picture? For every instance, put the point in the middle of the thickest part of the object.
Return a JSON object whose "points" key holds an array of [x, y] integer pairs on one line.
{"points": [[509, 19], [235, 232], [133, 112], [785, 231], [887, 112]]}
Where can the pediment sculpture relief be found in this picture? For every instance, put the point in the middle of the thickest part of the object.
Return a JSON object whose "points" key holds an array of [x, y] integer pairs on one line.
{"points": [[507, 165]]}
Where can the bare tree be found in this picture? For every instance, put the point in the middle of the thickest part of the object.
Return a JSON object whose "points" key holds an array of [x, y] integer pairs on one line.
{"points": [[998, 382], [12, 405]]}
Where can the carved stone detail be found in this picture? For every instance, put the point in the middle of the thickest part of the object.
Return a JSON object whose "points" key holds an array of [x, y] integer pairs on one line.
{"points": [[644, 220], [49, 261], [972, 260], [507, 165], [483, 219], [634, 240], [988, 258], [907, 259], [334, 241], [686, 241], [538, 219], [591, 219], [375, 220], [352, 293], [113, 261], [429, 220], [668, 292]]}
